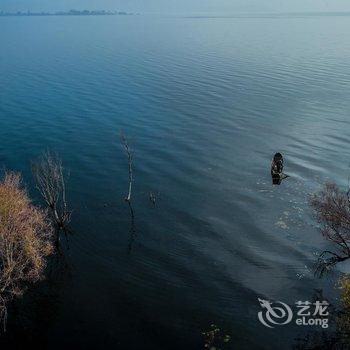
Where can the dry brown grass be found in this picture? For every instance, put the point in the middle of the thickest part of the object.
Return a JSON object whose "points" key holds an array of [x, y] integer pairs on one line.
{"points": [[25, 241]]}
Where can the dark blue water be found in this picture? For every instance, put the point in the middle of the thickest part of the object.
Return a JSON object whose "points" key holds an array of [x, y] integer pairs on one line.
{"points": [[205, 103]]}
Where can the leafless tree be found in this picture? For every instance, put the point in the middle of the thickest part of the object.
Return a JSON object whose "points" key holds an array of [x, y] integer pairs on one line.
{"points": [[49, 176], [332, 211], [25, 241]]}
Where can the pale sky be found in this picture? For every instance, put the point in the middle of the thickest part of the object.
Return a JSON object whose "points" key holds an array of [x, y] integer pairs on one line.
{"points": [[179, 6]]}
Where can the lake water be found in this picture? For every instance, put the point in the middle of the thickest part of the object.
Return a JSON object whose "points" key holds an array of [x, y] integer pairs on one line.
{"points": [[205, 103]]}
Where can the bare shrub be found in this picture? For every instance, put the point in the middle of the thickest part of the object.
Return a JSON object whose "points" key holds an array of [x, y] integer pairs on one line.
{"points": [[25, 241], [50, 181], [332, 210]]}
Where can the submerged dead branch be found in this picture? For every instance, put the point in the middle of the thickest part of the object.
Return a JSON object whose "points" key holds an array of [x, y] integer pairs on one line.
{"points": [[49, 176], [332, 210], [129, 154]]}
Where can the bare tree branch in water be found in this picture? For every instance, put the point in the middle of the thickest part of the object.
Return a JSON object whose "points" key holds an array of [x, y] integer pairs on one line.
{"points": [[332, 211], [49, 176], [153, 198], [129, 154]]}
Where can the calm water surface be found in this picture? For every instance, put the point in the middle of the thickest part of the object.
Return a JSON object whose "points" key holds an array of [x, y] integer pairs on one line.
{"points": [[205, 103]]}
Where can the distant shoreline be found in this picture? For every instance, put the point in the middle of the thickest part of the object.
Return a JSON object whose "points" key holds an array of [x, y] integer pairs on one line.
{"points": [[65, 13], [273, 14]]}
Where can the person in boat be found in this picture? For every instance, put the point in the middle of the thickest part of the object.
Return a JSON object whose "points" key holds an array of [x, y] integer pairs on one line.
{"points": [[277, 164], [277, 169]]}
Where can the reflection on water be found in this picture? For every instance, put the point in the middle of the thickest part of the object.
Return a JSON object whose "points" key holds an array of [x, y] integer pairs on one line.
{"points": [[132, 230], [207, 101]]}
